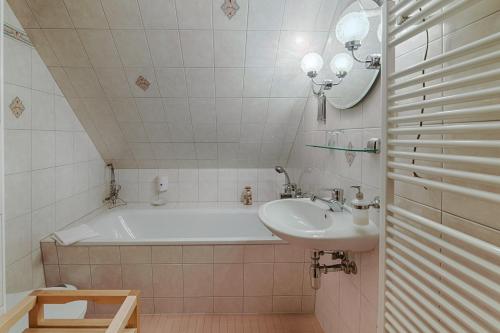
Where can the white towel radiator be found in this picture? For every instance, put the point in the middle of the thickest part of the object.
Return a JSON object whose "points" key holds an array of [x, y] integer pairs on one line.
{"points": [[442, 139]]}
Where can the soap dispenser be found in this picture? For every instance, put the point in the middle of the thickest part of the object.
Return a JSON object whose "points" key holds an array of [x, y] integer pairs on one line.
{"points": [[360, 208]]}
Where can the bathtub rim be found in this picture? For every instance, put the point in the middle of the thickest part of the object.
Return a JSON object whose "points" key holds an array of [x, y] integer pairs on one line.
{"points": [[166, 242]]}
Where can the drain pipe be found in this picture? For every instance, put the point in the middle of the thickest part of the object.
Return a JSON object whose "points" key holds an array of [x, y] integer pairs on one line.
{"points": [[316, 269]]}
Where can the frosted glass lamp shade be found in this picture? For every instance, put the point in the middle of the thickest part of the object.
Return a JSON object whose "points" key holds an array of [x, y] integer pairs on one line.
{"points": [[311, 62], [352, 27], [341, 63]]}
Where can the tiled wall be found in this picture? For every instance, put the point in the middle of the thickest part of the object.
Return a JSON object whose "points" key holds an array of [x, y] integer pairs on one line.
{"points": [[225, 91], [200, 185], [220, 278], [53, 173], [344, 303], [349, 303]]}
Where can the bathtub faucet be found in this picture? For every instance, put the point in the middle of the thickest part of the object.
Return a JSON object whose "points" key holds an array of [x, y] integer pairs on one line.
{"points": [[113, 200], [290, 190]]}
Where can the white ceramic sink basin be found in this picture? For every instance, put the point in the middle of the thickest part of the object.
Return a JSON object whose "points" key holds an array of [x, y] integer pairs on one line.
{"points": [[312, 225]]}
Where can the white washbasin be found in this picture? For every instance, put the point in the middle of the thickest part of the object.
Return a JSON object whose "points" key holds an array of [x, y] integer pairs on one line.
{"points": [[312, 225]]}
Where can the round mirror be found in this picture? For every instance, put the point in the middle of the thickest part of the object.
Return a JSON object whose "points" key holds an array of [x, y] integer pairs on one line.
{"points": [[361, 20]]}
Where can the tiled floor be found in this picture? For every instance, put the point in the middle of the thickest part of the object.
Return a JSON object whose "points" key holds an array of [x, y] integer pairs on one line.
{"points": [[209, 323]]}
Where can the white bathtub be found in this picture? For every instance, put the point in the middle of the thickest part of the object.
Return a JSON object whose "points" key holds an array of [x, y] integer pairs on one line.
{"points": [[142, 225]]}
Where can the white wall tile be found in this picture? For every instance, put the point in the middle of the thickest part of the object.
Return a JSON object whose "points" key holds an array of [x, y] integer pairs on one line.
{"points": [[165, 47], [229, 48], [17, 151], [158, 13], [194, 40], [200, 82], [43, 188], [42, 149], [193, 14], [122, 13], [265, 15]]}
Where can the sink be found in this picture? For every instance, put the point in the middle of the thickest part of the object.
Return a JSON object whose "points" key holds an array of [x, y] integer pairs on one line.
{"points": [[312, 225]]}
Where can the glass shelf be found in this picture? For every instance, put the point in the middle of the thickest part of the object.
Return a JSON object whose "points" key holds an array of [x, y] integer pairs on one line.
{"points": [[360, 150]]}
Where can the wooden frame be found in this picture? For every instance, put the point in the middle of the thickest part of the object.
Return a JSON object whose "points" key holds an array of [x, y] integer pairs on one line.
{"points": [[126, 319]]}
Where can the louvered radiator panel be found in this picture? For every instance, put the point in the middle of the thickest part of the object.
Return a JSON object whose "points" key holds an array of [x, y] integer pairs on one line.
{"points": [[441, 219]]}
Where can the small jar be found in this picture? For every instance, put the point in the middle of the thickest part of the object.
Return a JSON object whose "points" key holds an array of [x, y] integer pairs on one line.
{"points": [[246, 196]]}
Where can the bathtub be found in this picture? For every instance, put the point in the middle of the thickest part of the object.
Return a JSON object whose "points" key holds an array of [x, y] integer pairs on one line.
{"points": [[186, 260], [143, 225]]}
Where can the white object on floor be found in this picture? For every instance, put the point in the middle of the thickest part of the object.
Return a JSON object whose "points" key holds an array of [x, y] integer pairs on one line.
{"points": [[73, 235], [72, 310]]}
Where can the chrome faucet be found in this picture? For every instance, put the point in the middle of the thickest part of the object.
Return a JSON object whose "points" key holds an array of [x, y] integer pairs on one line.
{"points": [[336, 203], [290, 190], [113, 200]]}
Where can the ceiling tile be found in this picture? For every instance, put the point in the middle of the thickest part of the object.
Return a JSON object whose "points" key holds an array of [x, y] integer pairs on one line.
{"points": [[261, 48], [132, 47], [194, 14], [251, 132], [165, 47], [205, 132], [228, 151], [67, 47], [122, 13], [84, 81], [301, 15], [183, 151], [133, 131], [113, 81], [228, 132], [202, 110], [258, 81], [158, 13], [200, 82], [229, 82], [50, 13], [192, 41], [228, 110], [237, 22], [157, 131], [265, 14], [282, 110], [23, 13], [290, 82], [149, 74], [151, 109], [177, 109], [255, 110], [100, 47], [142, 150], [43, 47], [181, 132], [206, 151], [172, 82], [125, 109], [293, 45], [229, 48], [87, 14]]}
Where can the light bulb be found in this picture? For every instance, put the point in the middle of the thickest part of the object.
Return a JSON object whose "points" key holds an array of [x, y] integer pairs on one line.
{"points": [[311, 62], [341, 64], [352, 27]]}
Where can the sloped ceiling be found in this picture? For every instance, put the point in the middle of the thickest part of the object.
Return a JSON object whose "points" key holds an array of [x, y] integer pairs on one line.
{"points": [[216, 91]]}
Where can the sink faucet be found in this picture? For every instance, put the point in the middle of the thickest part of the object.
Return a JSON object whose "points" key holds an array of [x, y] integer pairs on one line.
{"points": [[336, 203], [290, 189], [113, 200]]}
